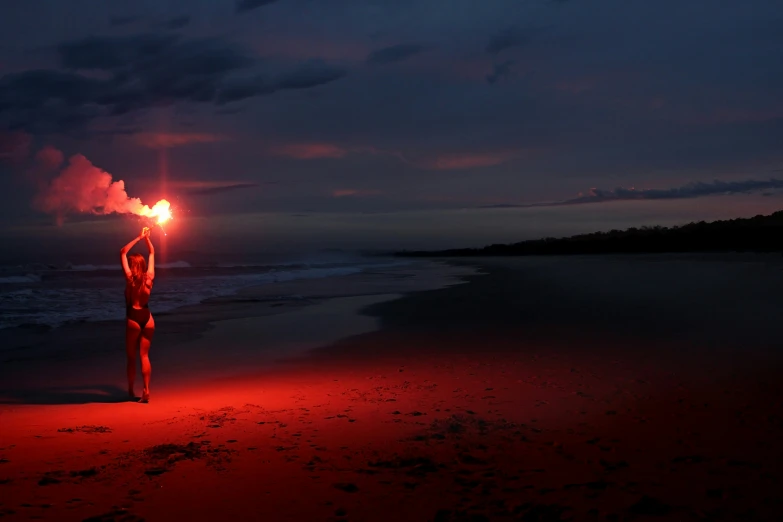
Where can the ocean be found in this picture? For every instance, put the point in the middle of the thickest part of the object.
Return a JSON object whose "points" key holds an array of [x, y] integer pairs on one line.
{"points": [[51, 295]]}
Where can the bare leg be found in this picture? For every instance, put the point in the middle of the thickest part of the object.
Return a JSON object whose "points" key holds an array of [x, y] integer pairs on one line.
{"points": [[144, 351], [132, 336]]}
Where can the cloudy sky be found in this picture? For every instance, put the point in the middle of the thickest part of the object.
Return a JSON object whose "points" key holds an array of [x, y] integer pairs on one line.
{"points": [[391, 123]]}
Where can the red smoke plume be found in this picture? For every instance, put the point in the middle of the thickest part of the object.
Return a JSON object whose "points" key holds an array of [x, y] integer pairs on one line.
{"points": [[49, 158], [82, 187]]}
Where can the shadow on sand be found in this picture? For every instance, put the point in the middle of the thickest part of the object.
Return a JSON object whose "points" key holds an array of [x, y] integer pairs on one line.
{"points": [[101, 393]]}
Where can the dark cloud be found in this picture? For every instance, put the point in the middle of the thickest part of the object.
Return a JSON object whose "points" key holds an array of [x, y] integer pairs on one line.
{"points": [[510, 37], [28, 89], [118, 21], [307, 76], [191, 71], [310, 75], [208, 191], [395, 53], [178, 22], [691, 190], [44, 101], [139, 72], [500, 71], [242, 89], [110, 53], [153, 70], [242, 6]]}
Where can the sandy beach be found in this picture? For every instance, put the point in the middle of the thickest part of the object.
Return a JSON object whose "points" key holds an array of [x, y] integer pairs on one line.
{"points": [[627, 388]]}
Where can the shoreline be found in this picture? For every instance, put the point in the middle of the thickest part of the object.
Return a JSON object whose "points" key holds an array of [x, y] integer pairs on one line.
{"points": [[84, 351], [273, 292]]}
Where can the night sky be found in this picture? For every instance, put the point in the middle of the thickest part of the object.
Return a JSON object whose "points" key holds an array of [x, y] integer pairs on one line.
{"points": [[306, 124]]}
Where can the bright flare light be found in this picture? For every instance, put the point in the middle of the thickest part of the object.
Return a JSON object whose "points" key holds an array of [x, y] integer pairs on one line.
{"points": [[162, 211]]}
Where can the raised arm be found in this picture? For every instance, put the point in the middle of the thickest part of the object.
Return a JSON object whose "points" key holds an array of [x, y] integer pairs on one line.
{"points": [[151, 260], [124, 254]]}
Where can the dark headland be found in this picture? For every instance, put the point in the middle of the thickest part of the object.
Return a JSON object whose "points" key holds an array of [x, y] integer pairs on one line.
{"points": [[756, 234]]}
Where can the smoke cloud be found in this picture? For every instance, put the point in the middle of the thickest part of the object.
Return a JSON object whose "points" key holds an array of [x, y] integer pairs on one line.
{"points": [[49, 158], [81, 187]]}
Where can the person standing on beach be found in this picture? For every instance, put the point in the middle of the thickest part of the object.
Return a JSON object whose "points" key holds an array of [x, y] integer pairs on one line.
{"points": [[139, 324]]}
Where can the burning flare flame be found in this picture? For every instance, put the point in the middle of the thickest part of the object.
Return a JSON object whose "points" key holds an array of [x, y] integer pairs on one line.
{"points": [[161, 210]]}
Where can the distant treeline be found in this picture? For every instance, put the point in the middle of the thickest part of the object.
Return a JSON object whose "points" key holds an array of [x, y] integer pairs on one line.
{"points": [[756, 234]]}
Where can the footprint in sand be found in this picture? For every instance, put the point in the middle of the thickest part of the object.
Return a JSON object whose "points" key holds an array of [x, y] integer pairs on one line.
{"points": [[48, 480]]}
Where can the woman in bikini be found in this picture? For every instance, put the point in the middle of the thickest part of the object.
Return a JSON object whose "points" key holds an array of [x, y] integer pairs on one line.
{"points": [[139, 324]]}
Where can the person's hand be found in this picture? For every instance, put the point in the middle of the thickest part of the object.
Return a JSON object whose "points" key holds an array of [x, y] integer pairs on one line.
{"points": [[145, 232]]}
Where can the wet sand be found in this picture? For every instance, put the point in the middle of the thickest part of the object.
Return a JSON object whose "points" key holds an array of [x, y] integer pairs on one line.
{"points": [[593, 389]]}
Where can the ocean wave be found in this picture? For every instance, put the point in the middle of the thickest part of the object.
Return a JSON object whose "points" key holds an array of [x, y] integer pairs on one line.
{"points": [[22, 293], [59, 301], [20, 279], [93, 268]]}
